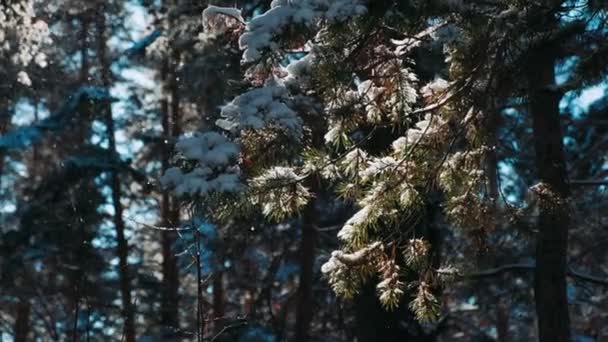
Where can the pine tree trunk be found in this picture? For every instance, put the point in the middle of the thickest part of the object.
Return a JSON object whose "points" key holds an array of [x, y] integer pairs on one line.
{"points": [[304, 309], [84, 49], [218, 300], [5, 120], [119, 225], [80, 140], [374, 323], [170, 281], [170, 211], [22, 323], [552, 241], [502, 321], [176, 128], [492, 162]]}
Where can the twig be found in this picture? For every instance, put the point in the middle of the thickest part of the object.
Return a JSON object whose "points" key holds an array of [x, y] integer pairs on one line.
{"points": [[528, 267], [158, 227], [226, 328], [588, 182]]}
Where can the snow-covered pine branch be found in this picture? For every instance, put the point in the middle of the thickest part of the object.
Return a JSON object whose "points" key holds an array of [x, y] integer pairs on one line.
{"points": [[212, 169]]}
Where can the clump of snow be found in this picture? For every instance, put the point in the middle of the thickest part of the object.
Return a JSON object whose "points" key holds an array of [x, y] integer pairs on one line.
{"points": [[24, 78], [435, 87], [258, 107], [332, 265], [354, 162], [41, 60], [298, 70], [402, 144], [212, 14], [378, 166], [280, 192], [334, 133], [404, 46], [425, 128], [277, 174], [430, 125], [213, 154], [211, 149], [375, 194], [262, 30], [354, 223], [201, 181], [28, 37], [357, 227]]}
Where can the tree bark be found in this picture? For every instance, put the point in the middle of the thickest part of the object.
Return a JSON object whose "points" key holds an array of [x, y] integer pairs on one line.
{"points": [[552, 240], [80, 140], [5, 121], [170, 211], [119, 225], [502, 321], [22, 323], [374, 323], [170, 281], [304, 308], [84, 48], [218, 300]]}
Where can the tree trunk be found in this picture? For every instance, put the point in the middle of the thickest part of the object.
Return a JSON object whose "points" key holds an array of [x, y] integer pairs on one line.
{"points": [[304, 309], [22, 323], [218, 300], [502, 321], [80, 140], [119, 225], [170, 211], [552, 241], [170, 282], [502, 310], [374, 323], [176, 128], [5, 121], [84, 49]]}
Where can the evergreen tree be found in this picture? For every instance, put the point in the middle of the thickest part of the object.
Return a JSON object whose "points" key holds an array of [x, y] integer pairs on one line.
{"points": [[303, 170]]}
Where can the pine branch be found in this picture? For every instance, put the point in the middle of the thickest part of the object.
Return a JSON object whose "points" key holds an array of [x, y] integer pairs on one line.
{"points": [[588, 182], [527, 267]]}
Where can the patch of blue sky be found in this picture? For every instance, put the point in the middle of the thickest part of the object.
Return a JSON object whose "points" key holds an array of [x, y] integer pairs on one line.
{"points": [[140, 77], [577, 103], [564, 70], [137, 24], [25, 112], [98, 136], [591, 94], [8, 208], [508, 182], [293, 56]]}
